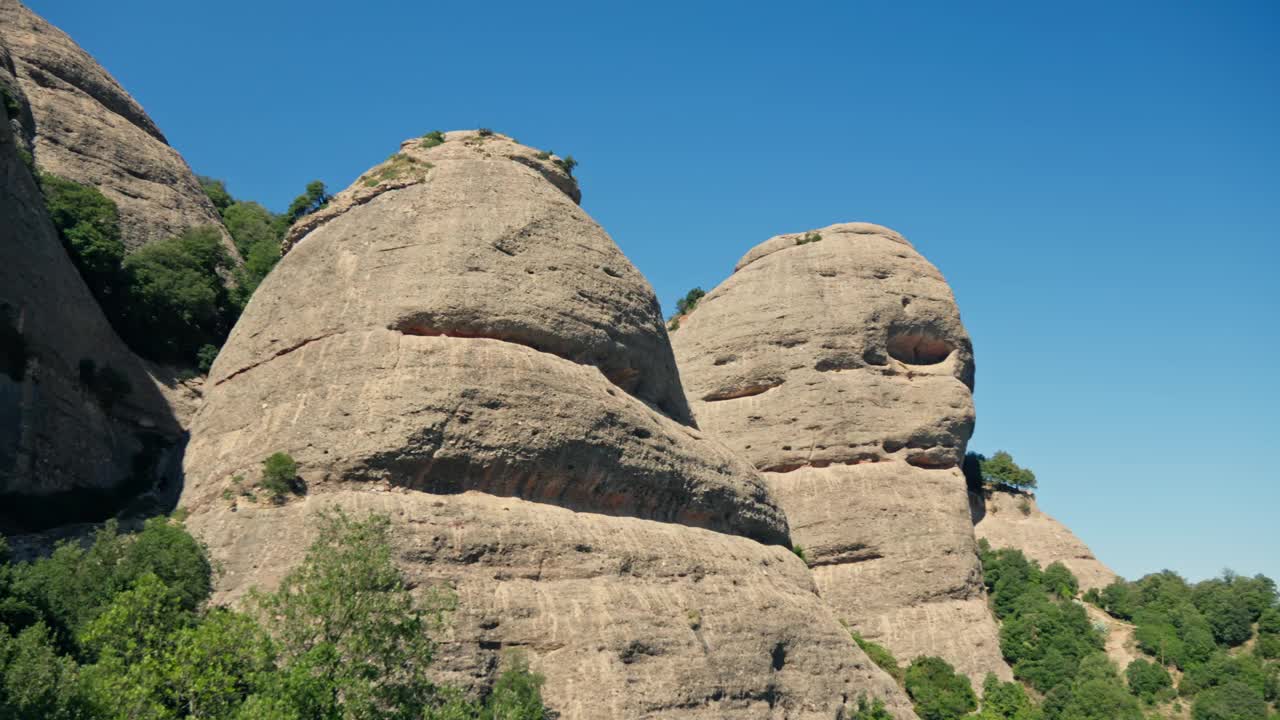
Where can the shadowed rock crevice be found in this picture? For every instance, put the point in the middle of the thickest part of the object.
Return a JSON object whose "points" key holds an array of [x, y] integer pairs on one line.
{"points": [[917, 346], [741, 392]]}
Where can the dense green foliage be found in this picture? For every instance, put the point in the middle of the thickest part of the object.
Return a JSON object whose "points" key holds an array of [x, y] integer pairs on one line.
{"points": [[122, 628], [1050, 642], [432, 139], [1006, 701], [998, 471], [936, 691], [177, 299], [1147, 680], [690, 300], [89, 225]]}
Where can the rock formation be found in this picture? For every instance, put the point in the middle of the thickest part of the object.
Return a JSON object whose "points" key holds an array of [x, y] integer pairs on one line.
{"points": [[456, 343], [1013, 520], [71, 446], [86, 128], [836, 362]]}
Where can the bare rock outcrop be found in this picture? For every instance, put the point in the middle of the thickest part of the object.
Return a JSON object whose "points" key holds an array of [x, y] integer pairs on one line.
{"points": [[456, 343], [82, 427], [835, 361], [1011, 519], [88, 129]]}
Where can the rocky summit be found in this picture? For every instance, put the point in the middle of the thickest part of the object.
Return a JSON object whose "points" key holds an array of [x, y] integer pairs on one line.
{"points": [[456, 343], [83, 126], [835, 361]]}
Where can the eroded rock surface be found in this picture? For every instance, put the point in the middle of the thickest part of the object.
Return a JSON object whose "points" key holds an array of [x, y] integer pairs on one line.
{"points": [[68, 451], [1014, 520], [457, 343], [88, 129], [835, 361]]}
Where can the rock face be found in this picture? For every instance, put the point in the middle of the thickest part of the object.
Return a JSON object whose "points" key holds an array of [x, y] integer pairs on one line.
{"points": [[836, 362], [86, 128], [1014, 520], [66, 454], [456, 343]]}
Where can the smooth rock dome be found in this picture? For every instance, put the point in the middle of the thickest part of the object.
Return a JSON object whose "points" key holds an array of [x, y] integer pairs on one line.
{"points": [[836, 362], [454, 342]]}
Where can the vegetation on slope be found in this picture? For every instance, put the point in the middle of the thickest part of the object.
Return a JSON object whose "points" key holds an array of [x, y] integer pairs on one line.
{"points": [[172, 301], [124, 629]]}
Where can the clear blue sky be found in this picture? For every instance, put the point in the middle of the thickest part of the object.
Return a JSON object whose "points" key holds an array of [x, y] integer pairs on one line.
{"points": [[1100, 182]]}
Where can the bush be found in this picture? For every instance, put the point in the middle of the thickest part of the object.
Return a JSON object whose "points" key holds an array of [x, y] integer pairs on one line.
{"points": [[89, 226], [809, 237], [205, 357], [432, 139], [484, 132], [936, 691], [10, 103], [880, 655], [1147, 679], [178, 302], [279, 475], [1000, 470], [686, 304], [311, 200], [1060, 581], [1006, 701], [216, 190], [871, 710], [567, 164], [1234, 701]]}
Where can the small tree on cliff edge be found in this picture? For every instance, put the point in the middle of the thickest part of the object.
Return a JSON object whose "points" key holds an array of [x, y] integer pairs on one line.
{"points": [[998, 470]]}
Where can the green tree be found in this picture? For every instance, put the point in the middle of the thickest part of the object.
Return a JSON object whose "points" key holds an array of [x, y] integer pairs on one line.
{"points": [[1233, 701], [1006, 701], [354, 642], [937, 692], [1000, 470], [517, 695], [279, 473], [311, 200], [1147, 679], [690, 300], [1060, 581], [216, 190], [178, 302], [89, 225]]}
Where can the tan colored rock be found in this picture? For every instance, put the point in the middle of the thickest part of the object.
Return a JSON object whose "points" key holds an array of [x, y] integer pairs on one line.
{"points": [[88, 129], [836, 362], [456, 342], [64, 456], [1008, 519]]}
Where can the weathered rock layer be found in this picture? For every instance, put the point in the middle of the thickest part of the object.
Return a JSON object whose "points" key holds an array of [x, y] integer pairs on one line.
{"points": [[71, 448], [456, 342], [1014, 520], [88, 129], [836, 362]]}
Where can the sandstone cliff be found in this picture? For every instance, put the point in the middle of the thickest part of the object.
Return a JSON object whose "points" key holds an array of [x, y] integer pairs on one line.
{"points": [[456, 343], [1009, 519], [86, 128], [835, 361], [73, 445]]}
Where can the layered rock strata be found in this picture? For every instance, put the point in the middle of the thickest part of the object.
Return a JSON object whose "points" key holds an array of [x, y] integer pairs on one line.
{"points": [[82, 427], [88, 129], [1014, 520], [836, 362], [456, 343]]}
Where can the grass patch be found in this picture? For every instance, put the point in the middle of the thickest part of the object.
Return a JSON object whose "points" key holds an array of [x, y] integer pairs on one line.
{"points": [[432, 139], [398, 166]]}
